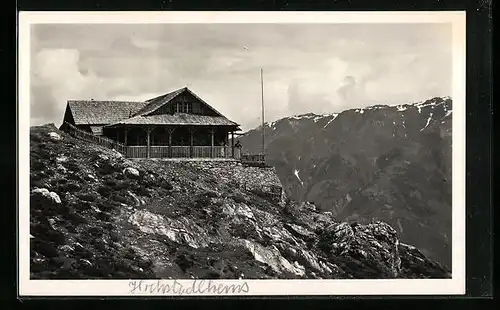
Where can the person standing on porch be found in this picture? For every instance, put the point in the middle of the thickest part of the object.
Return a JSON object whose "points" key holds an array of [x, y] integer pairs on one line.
{"points": [[237, 149], [223, 149]]}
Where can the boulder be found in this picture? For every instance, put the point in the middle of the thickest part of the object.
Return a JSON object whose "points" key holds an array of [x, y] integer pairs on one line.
{"points": [[149, 179], [304, 257], [369, 251], [181, 232], [272, 257], [300, 232], [338, 232], [415, 265], [85, 262], [382, 231], [244, 210], [103, 157], [336, 237], [67, 248], [117, 154], [137, 201], [62, 159], [54, 136], [131, 173], [43, 192], [61, 168]]}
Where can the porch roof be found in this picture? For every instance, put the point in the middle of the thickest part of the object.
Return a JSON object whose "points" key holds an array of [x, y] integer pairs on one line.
{"points": [[175, 119]]}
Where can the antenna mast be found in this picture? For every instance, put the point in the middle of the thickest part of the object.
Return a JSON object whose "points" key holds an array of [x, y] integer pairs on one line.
{"points": [[262, 99]]}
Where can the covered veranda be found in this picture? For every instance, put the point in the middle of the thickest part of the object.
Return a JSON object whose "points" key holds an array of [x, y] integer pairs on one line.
{"points": [[175, 141]]}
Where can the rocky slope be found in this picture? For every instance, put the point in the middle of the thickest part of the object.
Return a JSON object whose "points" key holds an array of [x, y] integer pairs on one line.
{"points": [[391, 163], [95, 214]]}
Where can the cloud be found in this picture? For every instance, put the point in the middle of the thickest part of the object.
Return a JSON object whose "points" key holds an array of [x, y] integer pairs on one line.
{"points": [[348, 89], [55, 79], [307, 68]]}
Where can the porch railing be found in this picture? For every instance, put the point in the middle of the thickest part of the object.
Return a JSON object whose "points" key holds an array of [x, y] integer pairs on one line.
{"points": [[179, 151], [78, 133], [165, 151]]}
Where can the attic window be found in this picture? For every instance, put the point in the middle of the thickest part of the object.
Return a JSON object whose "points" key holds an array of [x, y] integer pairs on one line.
{"points": [[183, 107]]}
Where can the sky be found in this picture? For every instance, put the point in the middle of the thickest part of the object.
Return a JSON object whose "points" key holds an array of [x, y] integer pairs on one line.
{"points": [[308, 68]]}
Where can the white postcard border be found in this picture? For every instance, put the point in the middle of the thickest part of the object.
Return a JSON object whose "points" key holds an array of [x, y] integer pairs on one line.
{"points": [[456, 285]]}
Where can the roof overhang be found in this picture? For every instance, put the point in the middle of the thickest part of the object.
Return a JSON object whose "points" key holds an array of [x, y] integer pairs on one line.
{"points": [[177, 119]]}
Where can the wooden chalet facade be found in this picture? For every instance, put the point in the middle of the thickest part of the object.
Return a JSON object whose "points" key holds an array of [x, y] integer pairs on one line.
{"points": [[177, 124]]}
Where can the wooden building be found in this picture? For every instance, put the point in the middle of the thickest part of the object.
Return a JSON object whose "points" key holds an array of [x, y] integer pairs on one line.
{"points": [[177, 124]]}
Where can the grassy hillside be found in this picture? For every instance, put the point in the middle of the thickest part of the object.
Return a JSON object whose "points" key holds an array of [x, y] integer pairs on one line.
{"points": [[95, 214]]}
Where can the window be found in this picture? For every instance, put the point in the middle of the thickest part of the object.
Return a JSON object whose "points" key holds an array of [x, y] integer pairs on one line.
{"points": [[183, 107]]}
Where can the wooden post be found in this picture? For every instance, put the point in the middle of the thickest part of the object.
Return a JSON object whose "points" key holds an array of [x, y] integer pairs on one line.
{"points": [[191, 141], [226, 145], [148, 130], [212, 133], [126, 134], [170, 130], [232, 144]]}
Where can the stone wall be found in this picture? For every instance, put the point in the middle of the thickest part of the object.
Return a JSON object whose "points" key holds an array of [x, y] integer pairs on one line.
{"points": [[263, 179]]}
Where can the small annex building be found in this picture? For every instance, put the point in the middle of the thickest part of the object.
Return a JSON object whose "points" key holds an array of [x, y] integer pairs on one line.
{"points": [[177, 124]]}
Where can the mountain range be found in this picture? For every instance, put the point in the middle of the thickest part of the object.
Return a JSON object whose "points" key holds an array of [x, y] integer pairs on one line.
{"points": [[388, 163]]}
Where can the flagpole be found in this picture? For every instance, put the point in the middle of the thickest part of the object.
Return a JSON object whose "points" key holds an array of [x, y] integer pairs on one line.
{"points": [[262, 100]]}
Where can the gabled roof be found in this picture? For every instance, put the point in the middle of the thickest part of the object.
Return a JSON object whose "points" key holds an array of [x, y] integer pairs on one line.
{"points": [[90, 112], [112, 113], [156, 103], [176, 119]]}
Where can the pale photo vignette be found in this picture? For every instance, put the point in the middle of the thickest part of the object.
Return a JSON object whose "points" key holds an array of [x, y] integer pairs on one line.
{"points": [[453, 286]]}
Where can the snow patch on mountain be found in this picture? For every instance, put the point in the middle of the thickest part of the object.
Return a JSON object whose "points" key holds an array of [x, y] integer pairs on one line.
{"points": [[437, 101], [334, 116], [304, 116], [403, 107], [428, 122], [296, 173], [400, 226], [427, 103], [317, 118], [272, 125], [376, 107]]}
